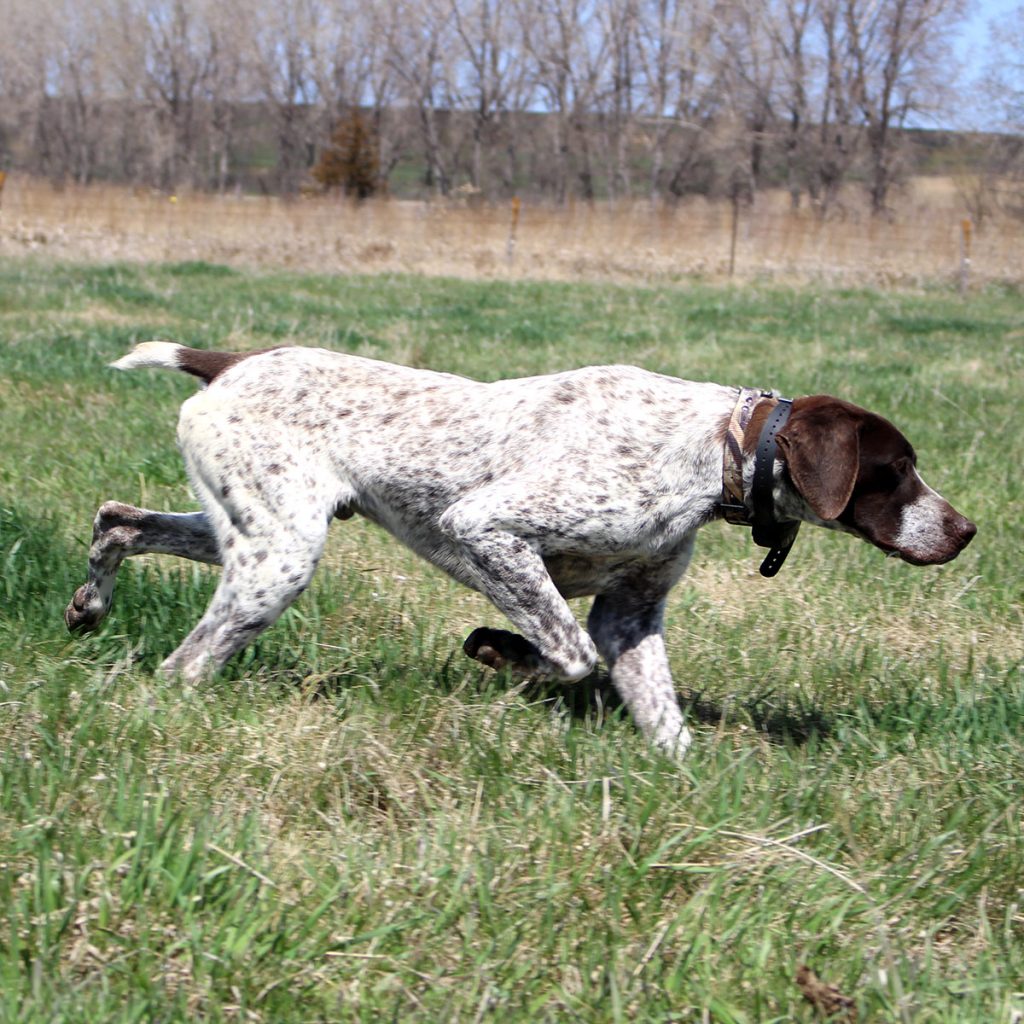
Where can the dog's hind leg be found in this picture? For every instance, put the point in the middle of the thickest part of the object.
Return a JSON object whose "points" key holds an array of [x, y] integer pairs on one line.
{"points": [[121, 531], [270, 512], [264, 572]]}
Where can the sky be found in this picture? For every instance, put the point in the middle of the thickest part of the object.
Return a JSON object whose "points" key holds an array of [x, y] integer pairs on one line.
{"points": [[971, 45]]}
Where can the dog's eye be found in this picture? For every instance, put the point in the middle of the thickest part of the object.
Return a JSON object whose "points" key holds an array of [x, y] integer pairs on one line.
{"points": [[904, 465]]}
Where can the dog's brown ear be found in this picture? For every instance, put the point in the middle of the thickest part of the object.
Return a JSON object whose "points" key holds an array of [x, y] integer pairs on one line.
{"points": [[822, 452]]}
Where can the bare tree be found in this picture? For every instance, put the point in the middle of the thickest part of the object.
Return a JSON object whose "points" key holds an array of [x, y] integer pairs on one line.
{"points": [[381, 86], [419, 48], [568, 54], [158, 72], [174, 71], [351, 72], [223, 86], [749, 69], [72, 134], [900, 60], [58, 85], [578, 97], [788, 23], [279, 45], [1003, 77], [342, 57], [838, 129], [487, 82], [991, 178], [680, 94], [658, 43], [618, 102]]}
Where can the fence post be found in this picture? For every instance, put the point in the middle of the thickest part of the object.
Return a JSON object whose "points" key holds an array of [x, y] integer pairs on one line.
{"points": [[510, 245], [965, 254], [734, 229]]}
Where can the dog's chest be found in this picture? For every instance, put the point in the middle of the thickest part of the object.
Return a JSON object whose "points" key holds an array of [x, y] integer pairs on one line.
{"points": [[582, 575]]}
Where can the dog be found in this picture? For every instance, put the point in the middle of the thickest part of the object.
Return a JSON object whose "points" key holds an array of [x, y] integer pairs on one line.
{"points": [[592, 482]]}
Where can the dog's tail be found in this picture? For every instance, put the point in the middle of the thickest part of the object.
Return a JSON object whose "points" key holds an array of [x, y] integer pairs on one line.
{"points": [[171, 356]]}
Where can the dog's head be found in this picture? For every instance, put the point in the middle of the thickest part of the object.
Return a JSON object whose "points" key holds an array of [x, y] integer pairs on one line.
{"points": [[856, 472]]}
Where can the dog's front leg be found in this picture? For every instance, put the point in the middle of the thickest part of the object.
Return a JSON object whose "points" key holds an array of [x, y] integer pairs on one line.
{"points": [[627, 628], [120, 531], [508, 569]]}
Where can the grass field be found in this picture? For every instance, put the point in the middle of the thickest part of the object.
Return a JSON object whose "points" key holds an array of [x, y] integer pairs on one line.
{"points": [[355, 823], [920, 243]]}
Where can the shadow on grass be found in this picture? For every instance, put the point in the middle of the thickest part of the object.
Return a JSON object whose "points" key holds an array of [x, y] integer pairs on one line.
{"points": [[592, 697], [780, 723]]}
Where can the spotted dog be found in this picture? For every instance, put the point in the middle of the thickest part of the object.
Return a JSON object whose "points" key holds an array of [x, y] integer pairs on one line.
{"points": [[531, 491]]}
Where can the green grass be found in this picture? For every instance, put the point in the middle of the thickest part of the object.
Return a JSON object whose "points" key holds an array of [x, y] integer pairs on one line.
{"points": [[354, 823]]}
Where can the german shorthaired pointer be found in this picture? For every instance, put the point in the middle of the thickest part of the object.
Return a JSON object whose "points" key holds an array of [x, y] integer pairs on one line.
{"points": [[591, 482]]}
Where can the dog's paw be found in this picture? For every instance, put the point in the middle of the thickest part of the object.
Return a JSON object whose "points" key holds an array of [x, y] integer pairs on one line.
{"points": [[114, 514], [86, 610], [498, 648]]}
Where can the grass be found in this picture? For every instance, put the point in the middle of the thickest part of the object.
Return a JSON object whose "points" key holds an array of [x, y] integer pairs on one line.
{"points": [[628, 241], [355, 823]]}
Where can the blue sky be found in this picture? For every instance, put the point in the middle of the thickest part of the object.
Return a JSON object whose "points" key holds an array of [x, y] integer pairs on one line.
{"points": [[971, 44], [971, 48]]}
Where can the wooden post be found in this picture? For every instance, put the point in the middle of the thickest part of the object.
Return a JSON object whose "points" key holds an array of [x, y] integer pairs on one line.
{"points": [[510, 246], [3, 178], [734, 230], [965, 254]]}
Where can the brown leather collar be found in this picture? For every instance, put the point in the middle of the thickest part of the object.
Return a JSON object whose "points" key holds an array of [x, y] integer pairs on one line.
{"points": [[732, 506], [768, 531]]}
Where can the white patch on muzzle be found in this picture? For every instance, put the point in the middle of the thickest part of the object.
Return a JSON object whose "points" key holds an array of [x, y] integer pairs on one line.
{"points": [[922, 531]]}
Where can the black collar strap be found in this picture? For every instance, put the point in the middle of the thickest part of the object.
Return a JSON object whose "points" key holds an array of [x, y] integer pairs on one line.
{"points": [[768, 531]]}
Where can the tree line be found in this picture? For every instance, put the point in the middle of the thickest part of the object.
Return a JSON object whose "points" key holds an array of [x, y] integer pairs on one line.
{"points": [[565, 99]]}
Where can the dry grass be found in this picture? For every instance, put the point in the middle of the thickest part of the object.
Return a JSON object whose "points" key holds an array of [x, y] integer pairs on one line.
{"points": [[626, 242]]}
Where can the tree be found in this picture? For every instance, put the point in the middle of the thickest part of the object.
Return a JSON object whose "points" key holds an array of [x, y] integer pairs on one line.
{"points": [[578, 97], [992, 178], [352, 160], [749, 72], [568, 56], [680, 90], [419, 52], [838, 128], [69, 122], [1002, 81], [280, 39], [900, 62], [487, 82], [789, 26]]}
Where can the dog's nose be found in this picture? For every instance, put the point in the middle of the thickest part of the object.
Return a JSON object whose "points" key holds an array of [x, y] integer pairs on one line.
{"points": [[965, 531]]}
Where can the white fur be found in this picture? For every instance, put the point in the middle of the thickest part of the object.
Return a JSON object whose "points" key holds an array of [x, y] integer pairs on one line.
{"points": [[161, 354], [922, 522]]}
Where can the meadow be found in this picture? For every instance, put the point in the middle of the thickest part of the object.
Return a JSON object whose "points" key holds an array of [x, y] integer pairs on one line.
{"points": [[921, 242], [356, 823]]}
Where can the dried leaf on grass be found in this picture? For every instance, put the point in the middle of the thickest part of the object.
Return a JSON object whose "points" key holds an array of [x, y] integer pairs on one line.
{"points": [[825, 998]]}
